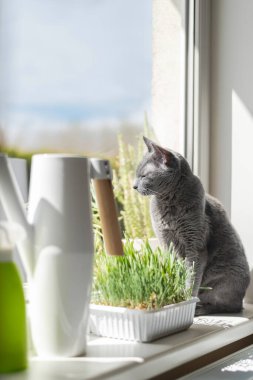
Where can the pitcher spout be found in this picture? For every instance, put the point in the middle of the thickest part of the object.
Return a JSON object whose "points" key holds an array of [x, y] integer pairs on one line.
{"points": [[11, 199]]}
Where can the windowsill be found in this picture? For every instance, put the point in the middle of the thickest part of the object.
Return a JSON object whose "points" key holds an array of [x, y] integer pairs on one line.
{"points": [[117, 359]]}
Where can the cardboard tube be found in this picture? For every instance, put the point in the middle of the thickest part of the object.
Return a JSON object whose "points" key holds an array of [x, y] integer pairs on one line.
{"points": [[108, 216]]}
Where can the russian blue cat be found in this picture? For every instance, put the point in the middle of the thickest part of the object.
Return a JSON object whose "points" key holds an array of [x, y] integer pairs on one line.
{"points": [[197, 225]]}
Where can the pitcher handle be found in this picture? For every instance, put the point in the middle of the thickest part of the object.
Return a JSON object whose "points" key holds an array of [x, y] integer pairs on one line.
{"points": [[102, 180]]}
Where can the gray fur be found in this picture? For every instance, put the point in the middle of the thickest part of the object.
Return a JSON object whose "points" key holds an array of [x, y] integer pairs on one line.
{"points": [[197, 225]]}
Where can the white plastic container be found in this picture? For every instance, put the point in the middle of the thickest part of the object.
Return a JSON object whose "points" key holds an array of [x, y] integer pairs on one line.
{"points": [[141, 325]]}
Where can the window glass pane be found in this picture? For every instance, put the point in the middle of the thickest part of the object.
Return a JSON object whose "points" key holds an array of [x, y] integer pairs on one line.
{"points": [[74, 73]]}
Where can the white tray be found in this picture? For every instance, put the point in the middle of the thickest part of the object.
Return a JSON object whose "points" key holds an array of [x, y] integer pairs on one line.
{"points": [[141, 325]]}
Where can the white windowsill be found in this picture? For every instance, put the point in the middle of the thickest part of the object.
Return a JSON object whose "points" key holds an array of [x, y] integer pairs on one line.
{"points": [[123, 360]]}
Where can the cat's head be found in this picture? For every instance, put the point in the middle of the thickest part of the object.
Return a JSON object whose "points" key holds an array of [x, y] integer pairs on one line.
{"points": [[159, 170]]}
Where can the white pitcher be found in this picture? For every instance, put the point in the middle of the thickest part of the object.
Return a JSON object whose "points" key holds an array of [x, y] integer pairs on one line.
{"points": [[58, 251], [19, 167]]}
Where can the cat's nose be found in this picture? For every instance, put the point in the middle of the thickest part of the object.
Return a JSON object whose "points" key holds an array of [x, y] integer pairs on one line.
{"points": [[135, 186]]}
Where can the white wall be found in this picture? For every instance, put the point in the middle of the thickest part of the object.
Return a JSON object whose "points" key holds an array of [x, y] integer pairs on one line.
{"points": [[231, 163]]}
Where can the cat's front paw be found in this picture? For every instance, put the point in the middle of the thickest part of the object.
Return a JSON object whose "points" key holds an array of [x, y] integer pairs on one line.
{"points": [[202, 309]]}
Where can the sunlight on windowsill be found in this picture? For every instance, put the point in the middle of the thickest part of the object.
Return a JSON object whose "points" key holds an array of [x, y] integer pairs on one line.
{"points": [[219, 320]]}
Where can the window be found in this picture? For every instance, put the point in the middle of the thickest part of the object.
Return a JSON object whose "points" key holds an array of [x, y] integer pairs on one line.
{"points": [[74, 74]]}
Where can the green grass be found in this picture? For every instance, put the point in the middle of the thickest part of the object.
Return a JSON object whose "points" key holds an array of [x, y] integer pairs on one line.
{"points": [[145, 279]]}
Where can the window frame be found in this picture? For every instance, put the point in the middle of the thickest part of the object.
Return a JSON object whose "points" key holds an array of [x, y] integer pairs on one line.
{"points": [[197, 87]]}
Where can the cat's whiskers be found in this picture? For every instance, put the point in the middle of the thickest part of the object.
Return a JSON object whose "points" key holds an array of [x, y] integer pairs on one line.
{"points": [[155, 192]]}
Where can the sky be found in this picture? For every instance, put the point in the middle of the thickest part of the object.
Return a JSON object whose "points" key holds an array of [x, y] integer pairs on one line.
{"points": [[71, 61]]}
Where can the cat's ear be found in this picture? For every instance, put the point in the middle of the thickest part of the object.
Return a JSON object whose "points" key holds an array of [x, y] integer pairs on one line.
{"points": [[162, 155], [149, 144]]}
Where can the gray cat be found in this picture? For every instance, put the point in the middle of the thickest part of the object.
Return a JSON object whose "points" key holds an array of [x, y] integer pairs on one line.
{"points": [[197, 225]]}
